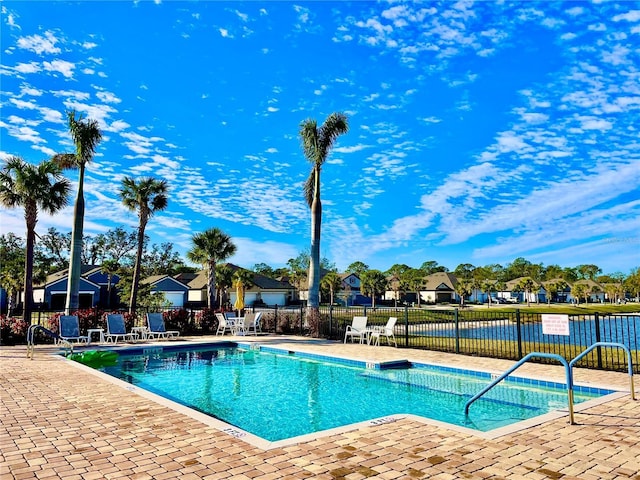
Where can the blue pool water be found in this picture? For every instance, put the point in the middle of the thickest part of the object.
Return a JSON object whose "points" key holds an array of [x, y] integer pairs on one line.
{"points": [[277, 394]]}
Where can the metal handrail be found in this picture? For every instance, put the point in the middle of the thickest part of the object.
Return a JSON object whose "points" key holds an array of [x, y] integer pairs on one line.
{"points": [[520, 363], [31, 344], [611, 344]]}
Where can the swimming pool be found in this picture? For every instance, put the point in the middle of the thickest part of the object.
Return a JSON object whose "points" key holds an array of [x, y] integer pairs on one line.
{"points": [[277, 394]]}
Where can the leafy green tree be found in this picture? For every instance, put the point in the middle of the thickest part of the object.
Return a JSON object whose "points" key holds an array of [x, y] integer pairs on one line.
{"points": [[632, 282], [118, 245], [210, 248], [264, 269], [146, 197], [373, 283], [164, 260], [34, 188], [358, 268], [317, 142], [431, 266], [86, 136], [580, 290], [55, 246], [331, 283], [464, 271], [11, 267], [588, 271]]}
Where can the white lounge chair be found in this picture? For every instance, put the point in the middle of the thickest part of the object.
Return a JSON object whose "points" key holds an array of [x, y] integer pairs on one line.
{"points": [[387, 331], [224, 325], [116, 329], [69, 328], [357, 329], [156, 328]]}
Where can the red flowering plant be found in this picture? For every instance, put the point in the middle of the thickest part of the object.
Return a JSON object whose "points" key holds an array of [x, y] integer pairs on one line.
{"points": [[12, 329], [206, 320], [177, 320]]}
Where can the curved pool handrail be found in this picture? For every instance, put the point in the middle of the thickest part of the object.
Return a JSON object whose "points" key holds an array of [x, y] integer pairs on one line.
{"points": [[518, 365], [31, 343], [610, 344]]}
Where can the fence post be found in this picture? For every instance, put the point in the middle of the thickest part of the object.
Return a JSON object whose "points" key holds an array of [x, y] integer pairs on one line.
{"points": [[406, 326], [519, 333], [456, 320], [330, 321], [275, 319], [301, 320], [365, 310], [598, 349]]}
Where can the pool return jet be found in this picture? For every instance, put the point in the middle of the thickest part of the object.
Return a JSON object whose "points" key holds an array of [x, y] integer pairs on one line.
{"points": [[568, 366]]}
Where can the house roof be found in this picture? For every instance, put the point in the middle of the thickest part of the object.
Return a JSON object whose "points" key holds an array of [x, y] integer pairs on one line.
{"points": [[85, 271], [260, 281], [511, 284], [436, 280]]}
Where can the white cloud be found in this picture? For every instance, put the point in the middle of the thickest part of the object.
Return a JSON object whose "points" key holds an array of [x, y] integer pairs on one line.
{"points": [[39, 44]]}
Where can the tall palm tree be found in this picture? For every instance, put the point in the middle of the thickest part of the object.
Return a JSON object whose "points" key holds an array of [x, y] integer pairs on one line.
{"points": [[209, 248], [316, 145], [33, 187], [86, 136], [374, 283], [147, 196]]}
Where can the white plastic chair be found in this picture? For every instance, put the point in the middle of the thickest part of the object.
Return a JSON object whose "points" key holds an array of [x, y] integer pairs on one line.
{"points": [[376, 332], [224, 325], [358, 328]]}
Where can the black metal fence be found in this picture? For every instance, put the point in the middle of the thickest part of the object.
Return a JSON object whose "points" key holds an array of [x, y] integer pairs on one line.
{"points": [[499, 334], [496, 334]]}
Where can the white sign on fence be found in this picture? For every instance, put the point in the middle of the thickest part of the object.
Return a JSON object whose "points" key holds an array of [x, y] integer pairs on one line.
{"points": [[553, 324]]}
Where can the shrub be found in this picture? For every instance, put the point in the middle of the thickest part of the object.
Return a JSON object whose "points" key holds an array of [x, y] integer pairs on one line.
{"points": [[177, 320], [206, 320], [12, 329]]}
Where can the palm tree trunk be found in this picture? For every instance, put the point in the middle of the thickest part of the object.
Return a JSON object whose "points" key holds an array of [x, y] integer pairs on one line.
{"points": [[31, 217], [138, 265], [313, 302], [314, 259], [211, 284], [72, 302]]}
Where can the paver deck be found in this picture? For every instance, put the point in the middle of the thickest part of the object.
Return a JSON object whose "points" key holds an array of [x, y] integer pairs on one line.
{"points": [[59, 421]]}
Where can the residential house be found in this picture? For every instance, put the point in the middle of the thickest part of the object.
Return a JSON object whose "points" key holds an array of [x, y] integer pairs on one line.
{"points": [[596, 293], [263, 291], [537, 295], [94, 289], [440, 287], [174, 291]]}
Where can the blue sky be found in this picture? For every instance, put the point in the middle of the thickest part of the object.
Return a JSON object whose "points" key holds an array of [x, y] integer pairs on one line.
{"points": [[479, 132]]}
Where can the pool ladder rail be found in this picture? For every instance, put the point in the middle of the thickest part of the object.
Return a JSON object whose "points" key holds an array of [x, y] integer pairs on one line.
{"points": [[31, 343], [568, 371]]}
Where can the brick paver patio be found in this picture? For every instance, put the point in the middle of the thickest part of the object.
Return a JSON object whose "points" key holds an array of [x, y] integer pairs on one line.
{"points": [[59, 421]]}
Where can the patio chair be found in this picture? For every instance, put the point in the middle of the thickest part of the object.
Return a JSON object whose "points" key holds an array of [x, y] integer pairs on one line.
{"points": [[224, 325], [387, 331], [156, 328], [257, 323], [116, 329], [250, 323], [358, 328], [69, 328]]}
